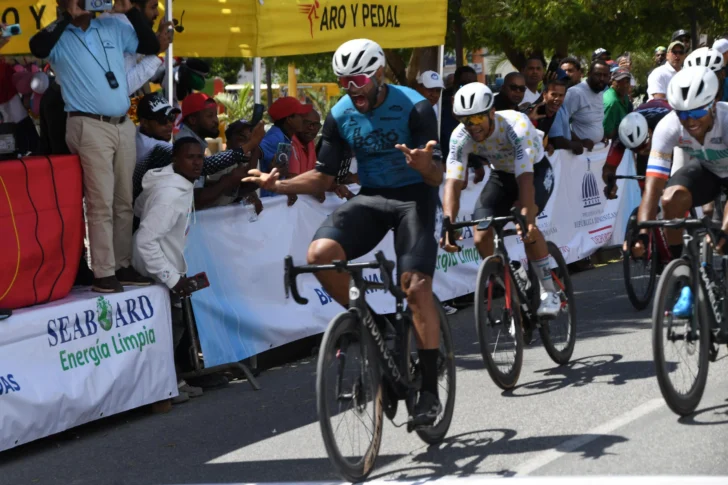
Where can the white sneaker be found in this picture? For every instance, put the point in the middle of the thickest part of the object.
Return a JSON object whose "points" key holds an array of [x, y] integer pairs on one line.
{"points": [[550, 305], [449, 310]]}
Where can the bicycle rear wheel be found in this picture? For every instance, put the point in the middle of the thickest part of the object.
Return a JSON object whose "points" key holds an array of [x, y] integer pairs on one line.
{"points": [[349, 393], [559, 335], [640, 274], [498, 323], [676, 349], [446, 380]]}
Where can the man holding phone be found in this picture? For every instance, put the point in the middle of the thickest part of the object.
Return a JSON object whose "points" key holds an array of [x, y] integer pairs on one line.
{"points": [[87, 54]]}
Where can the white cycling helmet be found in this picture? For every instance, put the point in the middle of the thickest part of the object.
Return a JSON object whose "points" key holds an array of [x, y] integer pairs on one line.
{"points": [[473, 98], [358, 56], [692, 88], [633, 130], [705, 57]]}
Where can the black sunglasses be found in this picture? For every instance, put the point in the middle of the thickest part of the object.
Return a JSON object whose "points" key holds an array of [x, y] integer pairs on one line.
{"points": [[515, 87]]}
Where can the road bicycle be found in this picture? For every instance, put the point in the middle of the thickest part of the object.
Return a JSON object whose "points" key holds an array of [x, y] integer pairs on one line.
{"points": [[501, 323], [693, 340], [640, 273], [363, 374]]}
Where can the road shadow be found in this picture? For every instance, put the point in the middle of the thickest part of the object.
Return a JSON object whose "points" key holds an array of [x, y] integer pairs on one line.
{"points": [[714, 415], [585, 371], [467, 454]]}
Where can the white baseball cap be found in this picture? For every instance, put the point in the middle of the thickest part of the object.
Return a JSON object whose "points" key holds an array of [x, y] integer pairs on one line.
{"points": [[721, 45], [431, 79]]}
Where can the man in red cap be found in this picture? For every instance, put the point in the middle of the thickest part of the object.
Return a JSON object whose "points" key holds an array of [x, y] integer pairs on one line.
{"points": [[287, 115]]}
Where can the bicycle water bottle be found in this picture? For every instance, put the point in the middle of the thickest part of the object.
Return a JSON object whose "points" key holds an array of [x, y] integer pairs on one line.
{"points": [[521, 275]]}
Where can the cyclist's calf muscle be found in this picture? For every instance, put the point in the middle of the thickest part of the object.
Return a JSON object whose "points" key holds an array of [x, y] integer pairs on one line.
{"points": [[421, 301], [676, 201], [324, 251]]}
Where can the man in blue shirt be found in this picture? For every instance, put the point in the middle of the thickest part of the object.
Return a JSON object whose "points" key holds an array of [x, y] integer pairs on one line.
{"points": [[287, 114], [87, 55]]}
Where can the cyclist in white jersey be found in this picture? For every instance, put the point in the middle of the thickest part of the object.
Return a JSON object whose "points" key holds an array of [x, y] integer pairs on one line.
{"points": [[698, 125], [514, 149]]}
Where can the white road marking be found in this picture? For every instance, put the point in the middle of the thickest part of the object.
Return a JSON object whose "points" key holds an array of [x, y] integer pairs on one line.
{"points": [[568, 446]]}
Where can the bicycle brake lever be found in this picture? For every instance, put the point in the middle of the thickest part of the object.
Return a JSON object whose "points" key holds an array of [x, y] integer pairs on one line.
{"points": [[289, 281], [385, 272], [520, 220]]}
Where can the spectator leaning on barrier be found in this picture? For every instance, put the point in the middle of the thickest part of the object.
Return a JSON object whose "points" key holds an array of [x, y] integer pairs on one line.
{"points": [[660, 78], [287, 115], [430, 86], [551, 117], [572, 67], [166, 211], [586, 107], [533, 73], [239, 135], [512, 93], [616, 102], [156, 118], [303, 156], [87, 55]]}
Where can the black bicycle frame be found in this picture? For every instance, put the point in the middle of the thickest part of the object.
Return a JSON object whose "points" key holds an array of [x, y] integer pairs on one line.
{"points": [[396, 375]]}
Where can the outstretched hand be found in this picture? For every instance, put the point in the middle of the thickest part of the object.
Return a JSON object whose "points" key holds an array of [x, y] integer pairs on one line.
{"points": [[264, 180], [419, 159]]}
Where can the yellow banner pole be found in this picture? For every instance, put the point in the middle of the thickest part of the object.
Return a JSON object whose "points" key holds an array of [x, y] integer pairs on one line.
{"points": [[292, 81]]}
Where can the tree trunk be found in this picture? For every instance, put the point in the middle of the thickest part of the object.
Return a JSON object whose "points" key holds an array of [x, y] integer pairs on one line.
{"points": [[397, 67], [269, 79], [515, 56], [458, 30], [422, 59]]}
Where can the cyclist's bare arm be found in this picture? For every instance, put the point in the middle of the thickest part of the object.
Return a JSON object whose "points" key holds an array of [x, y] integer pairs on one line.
{"points": [[650, 200]]}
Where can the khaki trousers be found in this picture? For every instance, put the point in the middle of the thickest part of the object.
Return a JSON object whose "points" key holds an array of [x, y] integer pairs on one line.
{"points": [[108, 157]]}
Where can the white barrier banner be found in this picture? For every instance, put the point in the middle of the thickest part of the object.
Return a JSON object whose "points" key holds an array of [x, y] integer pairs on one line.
{"points": [[245, 311], [87, 356]]}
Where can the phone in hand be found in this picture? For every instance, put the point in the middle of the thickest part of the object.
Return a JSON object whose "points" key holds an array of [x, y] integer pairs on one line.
{"points": [[12, 30], [258, 110], [283, 155], [197, 282]]}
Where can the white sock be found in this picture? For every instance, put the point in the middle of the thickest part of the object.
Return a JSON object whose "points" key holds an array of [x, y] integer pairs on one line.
{"points": [[543, 271]]}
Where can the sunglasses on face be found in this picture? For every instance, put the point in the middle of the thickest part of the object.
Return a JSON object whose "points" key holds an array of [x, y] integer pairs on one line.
{"points": [[472, 120], [515, 87], [679, 53], [165, 120], [694, 114], [358, 81]]}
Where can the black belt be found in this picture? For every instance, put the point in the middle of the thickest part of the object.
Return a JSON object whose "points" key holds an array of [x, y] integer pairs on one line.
{"points": [[114, 120]]}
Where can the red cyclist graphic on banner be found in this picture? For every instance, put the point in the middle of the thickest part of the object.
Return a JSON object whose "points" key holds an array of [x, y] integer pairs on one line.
{"points": [[311, 11]]}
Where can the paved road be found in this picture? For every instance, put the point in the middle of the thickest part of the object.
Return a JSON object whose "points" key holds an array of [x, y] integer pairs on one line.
{"points": [[601, 415]]}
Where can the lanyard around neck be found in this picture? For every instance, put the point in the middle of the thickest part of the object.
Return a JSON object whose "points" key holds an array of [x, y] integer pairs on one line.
{"points": [[108, 69]]}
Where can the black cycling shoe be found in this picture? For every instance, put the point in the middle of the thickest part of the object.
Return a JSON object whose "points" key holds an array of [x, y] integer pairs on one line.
{"points": [[426, 411]]}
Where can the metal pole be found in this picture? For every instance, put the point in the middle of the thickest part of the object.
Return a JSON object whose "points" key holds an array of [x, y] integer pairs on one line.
{"points": [[440, 71], [257, 70], [169, 58]]}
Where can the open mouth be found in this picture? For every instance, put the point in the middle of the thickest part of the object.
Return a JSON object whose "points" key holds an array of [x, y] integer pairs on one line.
{"points": [[359, 101]]}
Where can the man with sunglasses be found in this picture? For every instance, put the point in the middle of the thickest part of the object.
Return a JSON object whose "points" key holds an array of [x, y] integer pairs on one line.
{"points": [[515, 150], [154, 150], [660, 78], [698, 125], [380, 122], [512, 94]]}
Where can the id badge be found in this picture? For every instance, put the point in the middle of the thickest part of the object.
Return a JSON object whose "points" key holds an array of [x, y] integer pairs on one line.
{"points": [[111, 78]]}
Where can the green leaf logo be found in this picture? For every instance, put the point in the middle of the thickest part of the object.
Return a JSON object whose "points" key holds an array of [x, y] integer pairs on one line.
{"points": [[103, 308]]}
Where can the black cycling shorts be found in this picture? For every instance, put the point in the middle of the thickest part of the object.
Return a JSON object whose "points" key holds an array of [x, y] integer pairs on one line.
{"points": [[362, 222], [704, 185], [501, 191]]}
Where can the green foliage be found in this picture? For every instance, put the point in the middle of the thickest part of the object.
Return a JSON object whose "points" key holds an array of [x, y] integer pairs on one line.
{"points": [[313, 68], [237, 105], [227, 68]]}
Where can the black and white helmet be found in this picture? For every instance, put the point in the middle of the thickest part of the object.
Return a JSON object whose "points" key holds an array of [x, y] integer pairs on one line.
{"points": [[705, 57], [358, 57], [473, 98], [692, 88]]}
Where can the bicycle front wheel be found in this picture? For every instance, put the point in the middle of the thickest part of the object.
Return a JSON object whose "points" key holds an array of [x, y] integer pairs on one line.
{"points": [[559, 335], [679, 345], [640, 274], [349, 397], [498, 322]]}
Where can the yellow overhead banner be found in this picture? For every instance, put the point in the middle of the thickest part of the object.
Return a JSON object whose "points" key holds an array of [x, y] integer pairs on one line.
{"points": [[266, 28]]}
